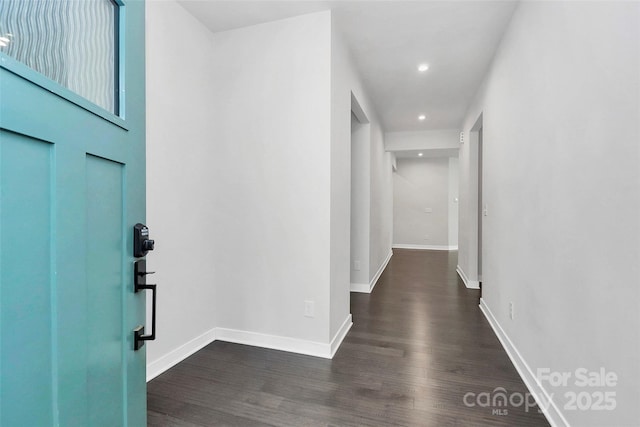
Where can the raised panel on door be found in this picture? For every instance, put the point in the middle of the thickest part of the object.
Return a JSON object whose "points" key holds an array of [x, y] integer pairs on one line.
{"points": [[105, 329], [27, 281]]}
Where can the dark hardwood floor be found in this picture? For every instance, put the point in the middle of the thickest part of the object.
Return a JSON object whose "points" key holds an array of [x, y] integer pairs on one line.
{"points": [[418, 345]]}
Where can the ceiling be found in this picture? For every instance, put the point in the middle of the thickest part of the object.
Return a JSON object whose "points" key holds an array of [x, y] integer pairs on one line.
{"points": [[388, 39], [427, 153]]}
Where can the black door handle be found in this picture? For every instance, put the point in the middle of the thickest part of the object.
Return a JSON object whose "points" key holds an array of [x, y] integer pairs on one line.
{"points": [[140, 283]]}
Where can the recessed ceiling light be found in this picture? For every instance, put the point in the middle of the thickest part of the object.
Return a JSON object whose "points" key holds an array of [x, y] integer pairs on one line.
{"points": [[419, 154], [422, 117], [423, 67]]}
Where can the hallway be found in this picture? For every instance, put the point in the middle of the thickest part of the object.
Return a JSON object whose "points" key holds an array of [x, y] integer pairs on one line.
{"points": [[418, 345]]}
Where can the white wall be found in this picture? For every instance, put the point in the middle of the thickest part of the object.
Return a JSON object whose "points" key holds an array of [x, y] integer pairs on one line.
{"points": [[239, 182], [179, 148], [345, 83], [468, 206], [562, 238], [453, 201], [360, 200], [381, 224], [420, 185], [269, 178]]}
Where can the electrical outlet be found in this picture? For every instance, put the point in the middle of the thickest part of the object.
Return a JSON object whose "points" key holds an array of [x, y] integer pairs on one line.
{"points": [[309, 309], [356, 265], [511, 310], [428, 210]]}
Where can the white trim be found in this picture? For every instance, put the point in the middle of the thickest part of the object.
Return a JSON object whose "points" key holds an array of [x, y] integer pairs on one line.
{"points": [[255, 339], [542, 397], [275, 342], [374, 281], [367, 288], [361, 287], [340, 334], [176, 356], [470, 284], [425, 247]]}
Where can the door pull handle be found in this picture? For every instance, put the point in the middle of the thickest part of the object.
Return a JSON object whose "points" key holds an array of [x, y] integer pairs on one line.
{"points": [[140, 284]]}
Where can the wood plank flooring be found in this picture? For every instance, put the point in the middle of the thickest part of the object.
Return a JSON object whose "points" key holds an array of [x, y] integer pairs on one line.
{"points": [[419, 343]]}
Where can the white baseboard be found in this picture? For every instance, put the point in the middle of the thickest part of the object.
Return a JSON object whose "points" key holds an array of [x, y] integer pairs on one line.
{"points": [[361, 287], [176, 356], [340, 334], [384, 264], [310, 348], [471, 284], [275, 342], [542, 397], [367, 288], [425, 247]]}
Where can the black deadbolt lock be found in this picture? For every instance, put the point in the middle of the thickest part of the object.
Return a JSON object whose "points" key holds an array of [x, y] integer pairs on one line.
{"points": [[141, 242]]}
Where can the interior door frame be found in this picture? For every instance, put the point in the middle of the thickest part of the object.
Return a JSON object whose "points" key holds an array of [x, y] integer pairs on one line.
{"points": [[477, 190]]}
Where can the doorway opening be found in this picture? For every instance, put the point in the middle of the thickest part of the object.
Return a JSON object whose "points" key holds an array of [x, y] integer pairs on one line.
{"points": [[477, 154], [360, 198]]}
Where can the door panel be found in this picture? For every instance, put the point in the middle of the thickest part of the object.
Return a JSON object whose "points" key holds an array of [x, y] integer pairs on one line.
{"points": [[72, 177], [105, 293], [25, 267]]}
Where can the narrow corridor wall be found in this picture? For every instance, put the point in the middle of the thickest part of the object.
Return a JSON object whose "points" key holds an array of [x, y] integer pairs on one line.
{"points": [[561, 109]]}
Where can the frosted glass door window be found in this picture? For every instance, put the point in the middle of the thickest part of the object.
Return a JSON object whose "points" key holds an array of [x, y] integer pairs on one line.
{"points": [[73, 42]]}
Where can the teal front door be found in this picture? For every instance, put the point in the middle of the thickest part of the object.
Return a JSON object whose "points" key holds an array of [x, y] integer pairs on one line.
{"points": [[72, 187]]}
